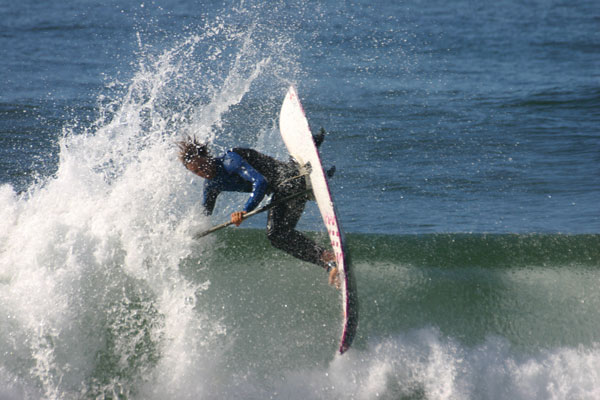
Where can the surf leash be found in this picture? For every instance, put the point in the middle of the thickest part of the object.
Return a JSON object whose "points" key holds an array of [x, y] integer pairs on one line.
{"points": [[252, 213], [305, 171]]}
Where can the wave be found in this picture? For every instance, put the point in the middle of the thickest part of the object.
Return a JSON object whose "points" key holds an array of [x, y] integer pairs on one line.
{"points": [[93, 303], [482, 250], [453, 250], [537, 290]]}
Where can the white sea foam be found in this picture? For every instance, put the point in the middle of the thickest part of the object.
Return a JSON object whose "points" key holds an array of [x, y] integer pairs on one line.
{"points": [[92, 301], [89, 258], [424, 364]]}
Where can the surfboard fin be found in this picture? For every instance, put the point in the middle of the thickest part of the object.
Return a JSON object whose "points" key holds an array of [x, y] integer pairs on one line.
{"points": [[319, 137], [330, 171]]}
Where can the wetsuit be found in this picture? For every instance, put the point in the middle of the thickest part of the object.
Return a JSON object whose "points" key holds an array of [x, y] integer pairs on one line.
{"points": [[247, 170]]}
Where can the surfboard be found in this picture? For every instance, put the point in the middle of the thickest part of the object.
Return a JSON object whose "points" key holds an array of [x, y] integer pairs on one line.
{"points": [[298, 139]]}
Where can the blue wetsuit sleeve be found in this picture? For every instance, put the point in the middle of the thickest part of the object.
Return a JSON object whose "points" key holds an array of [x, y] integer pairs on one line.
{"points": [[235, 164]]}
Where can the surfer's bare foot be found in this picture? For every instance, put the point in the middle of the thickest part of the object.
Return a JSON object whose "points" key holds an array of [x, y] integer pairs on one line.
{"points": [[334, 278], [328, 258]]}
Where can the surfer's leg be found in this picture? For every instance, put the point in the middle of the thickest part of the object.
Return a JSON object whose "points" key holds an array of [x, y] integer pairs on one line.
{"points": [[281, 232]]}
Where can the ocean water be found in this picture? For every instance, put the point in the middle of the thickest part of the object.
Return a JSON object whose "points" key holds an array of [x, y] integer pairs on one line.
{"points": [[467, 147]]}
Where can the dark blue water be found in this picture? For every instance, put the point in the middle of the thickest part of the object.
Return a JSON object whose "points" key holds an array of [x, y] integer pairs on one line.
{"points": [[467, 148]]}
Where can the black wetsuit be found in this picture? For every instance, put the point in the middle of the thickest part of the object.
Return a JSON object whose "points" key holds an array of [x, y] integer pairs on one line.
{"points": [[247, 170]]}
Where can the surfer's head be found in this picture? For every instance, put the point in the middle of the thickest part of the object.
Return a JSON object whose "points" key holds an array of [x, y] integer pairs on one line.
{"points": [[196, 158]]}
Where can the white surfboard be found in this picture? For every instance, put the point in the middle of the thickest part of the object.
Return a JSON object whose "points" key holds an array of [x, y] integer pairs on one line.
{"points": [[298, 139]]}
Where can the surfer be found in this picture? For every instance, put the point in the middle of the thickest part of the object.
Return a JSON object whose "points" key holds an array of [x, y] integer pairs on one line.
{"points": [[247, 170]]}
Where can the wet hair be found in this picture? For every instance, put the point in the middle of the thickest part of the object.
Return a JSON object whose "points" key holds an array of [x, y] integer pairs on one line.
{"points": [[190, 148]]}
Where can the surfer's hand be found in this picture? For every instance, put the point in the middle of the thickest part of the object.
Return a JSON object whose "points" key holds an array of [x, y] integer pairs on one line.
{"points": [[237, 217], [334, 278]]}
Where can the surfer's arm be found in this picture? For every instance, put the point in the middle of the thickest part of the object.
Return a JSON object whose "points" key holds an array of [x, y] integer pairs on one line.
{"points": [[210, 198], [235, 164]]}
